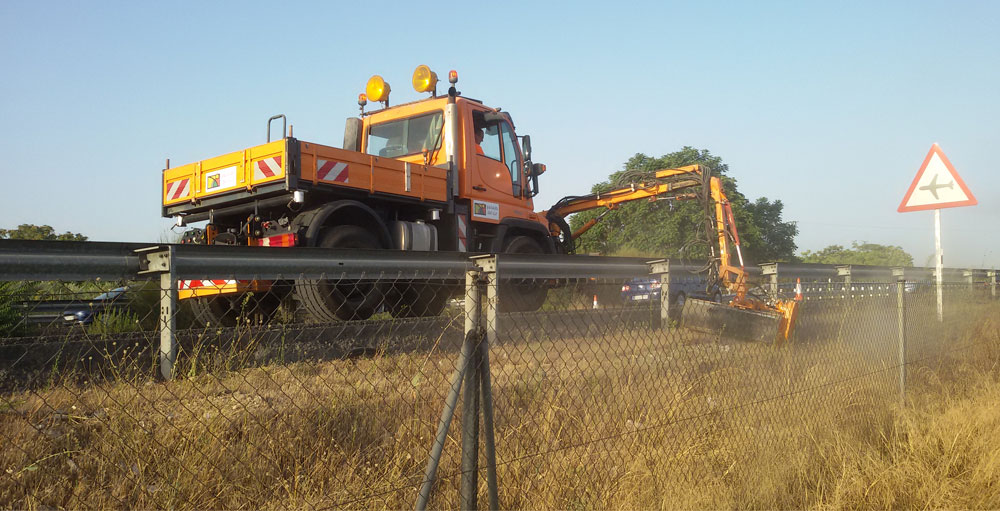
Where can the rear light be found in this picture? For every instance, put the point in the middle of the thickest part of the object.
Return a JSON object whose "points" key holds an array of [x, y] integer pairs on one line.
{"points": [[625, 288], [654, 284], [289, 239]]}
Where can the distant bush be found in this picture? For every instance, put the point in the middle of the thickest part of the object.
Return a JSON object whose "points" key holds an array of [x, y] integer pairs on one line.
{"points": [[11, 316]]}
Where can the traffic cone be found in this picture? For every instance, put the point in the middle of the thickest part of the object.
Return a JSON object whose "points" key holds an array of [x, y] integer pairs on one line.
{"points": [[798, 290], [595, 301]]}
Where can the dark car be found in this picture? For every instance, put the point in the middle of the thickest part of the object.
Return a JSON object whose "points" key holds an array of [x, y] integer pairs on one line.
{"points": [[681, 288], [104, 302]]}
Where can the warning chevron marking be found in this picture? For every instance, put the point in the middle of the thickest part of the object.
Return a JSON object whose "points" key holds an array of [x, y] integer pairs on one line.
{"points": [[329, 170]]}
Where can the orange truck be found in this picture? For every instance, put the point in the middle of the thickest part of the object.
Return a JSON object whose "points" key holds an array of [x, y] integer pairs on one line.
{"points": [[442, 173]]}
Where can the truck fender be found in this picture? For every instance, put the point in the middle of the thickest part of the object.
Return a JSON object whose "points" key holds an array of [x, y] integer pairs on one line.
{"points": [[516, 226], [356, 213]]}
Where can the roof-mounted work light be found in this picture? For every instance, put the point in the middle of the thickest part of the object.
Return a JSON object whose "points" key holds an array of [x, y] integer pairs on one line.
{"points": [[377, 89], [425, 80]]}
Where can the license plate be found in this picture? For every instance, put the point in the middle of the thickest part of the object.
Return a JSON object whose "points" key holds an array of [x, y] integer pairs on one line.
{"points": [[69, 317], [640, 297]]}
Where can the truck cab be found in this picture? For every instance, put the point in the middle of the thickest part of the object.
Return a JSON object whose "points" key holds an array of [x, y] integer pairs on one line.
{"points": [[493, 177]]}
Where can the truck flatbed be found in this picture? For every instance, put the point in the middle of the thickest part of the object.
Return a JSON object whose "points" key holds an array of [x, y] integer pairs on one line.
{"points": [[275, 169]]}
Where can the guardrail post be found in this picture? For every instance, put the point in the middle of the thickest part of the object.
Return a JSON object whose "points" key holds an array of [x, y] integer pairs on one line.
{"points": [[992, 274], [465, 361], [845, 272], [899, 273], [970, 278], [492, 296], [661, 315], [158, 260], [770, 270]]}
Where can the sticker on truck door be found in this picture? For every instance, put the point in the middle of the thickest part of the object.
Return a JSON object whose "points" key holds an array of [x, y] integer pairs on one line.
{"points": [[488, 210], [222, 178]]}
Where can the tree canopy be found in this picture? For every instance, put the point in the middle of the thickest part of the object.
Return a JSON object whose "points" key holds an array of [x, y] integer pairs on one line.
{"points": [[39, 232], [860, 253], [673, 228]]}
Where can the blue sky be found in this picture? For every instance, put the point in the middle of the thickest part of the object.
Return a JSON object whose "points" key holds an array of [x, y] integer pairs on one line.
{"points": [[829, 107]]}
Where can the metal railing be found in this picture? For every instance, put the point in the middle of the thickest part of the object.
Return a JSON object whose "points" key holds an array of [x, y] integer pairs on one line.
{"points": [[524, 380]]}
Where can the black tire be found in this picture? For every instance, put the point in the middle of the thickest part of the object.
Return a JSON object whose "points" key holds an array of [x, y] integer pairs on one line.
{"points": [[677, 306], [522, 295], [419, 300], [230, 310], [332, 300]]}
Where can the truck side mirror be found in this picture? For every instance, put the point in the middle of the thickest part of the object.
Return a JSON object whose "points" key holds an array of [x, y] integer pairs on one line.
{"points": [[526, 147], [352, 134]]}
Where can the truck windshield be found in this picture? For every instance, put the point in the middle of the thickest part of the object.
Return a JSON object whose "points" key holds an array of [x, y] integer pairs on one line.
{"points": [[405, 136]]}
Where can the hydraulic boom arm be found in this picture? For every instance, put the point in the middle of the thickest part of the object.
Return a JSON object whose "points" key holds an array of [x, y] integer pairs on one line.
{"points": [[679, 184]]}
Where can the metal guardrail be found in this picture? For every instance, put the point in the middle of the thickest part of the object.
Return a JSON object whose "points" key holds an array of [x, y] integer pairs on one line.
{"points": [[75, 260], [68, 260]]}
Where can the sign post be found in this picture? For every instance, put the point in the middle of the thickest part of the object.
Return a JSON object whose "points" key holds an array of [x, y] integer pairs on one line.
{"points": [[937, 186]]}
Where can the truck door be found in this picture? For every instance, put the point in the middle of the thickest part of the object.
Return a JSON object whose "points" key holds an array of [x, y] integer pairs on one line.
{"points": [[499, 167]]}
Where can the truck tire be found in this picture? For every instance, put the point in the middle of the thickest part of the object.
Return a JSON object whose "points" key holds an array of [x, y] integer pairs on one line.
{"points": [[522, 295], [230, 310], [419, 300], [332, 300]]}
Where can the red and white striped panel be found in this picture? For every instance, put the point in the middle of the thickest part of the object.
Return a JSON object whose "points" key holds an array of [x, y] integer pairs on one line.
{"points": [[329, 170], [463, 229], [268, 167], [178, 189], [289, 239], [193, 284]]}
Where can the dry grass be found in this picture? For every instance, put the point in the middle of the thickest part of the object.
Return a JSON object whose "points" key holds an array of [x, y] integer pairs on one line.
{"points": [[629, 420]]}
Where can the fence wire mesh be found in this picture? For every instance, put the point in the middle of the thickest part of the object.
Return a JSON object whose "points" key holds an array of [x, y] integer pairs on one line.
{"points": [[329, 393]]}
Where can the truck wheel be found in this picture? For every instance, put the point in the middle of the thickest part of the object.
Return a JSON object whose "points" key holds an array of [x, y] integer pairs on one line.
{"points": [[229, 310], [334, 300], [522, 295], [678, 305], [420, 300]]}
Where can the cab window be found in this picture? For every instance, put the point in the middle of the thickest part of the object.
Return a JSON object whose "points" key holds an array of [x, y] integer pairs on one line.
{"points": [[491, 142], [405, 136], [511, 157]]}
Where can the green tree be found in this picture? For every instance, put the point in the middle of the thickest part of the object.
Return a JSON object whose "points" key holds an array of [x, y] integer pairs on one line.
{"points": [[860, 253], [676, 229], [38, 232]]}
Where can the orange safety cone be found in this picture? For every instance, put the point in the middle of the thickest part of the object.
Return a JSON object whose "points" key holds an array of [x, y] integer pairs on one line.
{"points": [[595, 301], [798, 290]]}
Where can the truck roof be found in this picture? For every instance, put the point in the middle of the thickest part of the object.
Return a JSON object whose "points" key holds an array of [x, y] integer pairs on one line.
{"points": [[394, 108]]}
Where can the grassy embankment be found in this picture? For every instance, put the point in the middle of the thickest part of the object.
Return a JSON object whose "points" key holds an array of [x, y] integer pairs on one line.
{"points": [[636, 421]]}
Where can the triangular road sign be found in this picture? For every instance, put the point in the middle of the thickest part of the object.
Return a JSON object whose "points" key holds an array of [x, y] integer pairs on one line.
{"points": [[936, 186]]}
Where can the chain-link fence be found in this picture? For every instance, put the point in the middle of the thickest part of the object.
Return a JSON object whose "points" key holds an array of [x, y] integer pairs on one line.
{"points": [[440, 380]]}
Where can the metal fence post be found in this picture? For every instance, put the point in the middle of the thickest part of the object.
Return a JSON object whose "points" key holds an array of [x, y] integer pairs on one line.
{"points": [[901, 328], [472, 333], [158, 260], [470, 429], [492, 296], [661, 315]]}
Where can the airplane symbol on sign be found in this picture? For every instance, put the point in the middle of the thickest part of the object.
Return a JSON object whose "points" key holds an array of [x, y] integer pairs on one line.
{"points": [[933, 187]]}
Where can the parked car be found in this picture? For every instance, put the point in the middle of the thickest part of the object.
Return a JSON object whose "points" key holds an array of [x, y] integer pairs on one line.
{"points": [[682, 288], [85, 315]]}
